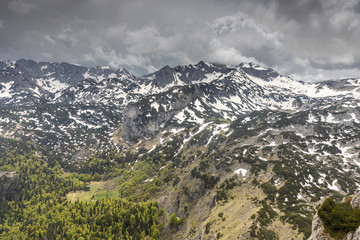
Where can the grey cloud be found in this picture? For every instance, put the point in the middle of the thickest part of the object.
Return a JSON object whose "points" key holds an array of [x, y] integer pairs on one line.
{"points": [[299, 10], [308, 39], [21, 6], [357, 7]]}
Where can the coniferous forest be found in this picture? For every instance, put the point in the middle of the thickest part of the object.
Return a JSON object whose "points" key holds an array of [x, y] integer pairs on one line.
{"points": [[33, 205]]}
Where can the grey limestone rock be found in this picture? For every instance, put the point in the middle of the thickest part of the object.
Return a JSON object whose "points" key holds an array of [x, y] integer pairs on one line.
{"points": [[164, 76], [355, 202], [317, 230]]}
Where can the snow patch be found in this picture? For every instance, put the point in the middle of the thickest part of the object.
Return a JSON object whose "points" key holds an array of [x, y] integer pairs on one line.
{"points": [[5, 92], [198, 106], [353, 116], [175, 131], [152, 149], [299, 196], [311, 119], [357, 163], [51, 85], [180, 116], [333, 186], [263, 159], [241, 171], [245, 120], [155, 105], [220, 106], [44, 67]]}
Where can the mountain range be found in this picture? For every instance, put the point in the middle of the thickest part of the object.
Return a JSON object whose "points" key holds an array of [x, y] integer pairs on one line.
{"points": [[245, 142]]}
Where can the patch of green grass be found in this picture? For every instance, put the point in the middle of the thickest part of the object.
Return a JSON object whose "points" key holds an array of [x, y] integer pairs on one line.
{"points": [[98, 190], [113, 194]]}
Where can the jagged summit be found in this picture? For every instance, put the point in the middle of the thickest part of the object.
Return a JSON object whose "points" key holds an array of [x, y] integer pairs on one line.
{"points": [[164, 76], [258, 71], [206, 71], [28, 81]]}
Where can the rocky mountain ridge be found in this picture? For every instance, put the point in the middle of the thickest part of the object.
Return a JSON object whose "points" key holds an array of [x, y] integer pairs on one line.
{"points": [[54, 81], [96, 98], [29, 82]]}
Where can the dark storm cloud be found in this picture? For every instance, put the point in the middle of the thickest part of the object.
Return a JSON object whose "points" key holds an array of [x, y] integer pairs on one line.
{"points": [[308, 39], [299, 10]]}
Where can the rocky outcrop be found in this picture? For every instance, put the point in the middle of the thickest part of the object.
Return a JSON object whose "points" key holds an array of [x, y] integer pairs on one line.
{"points": [[353, 236], [317, 230], [198, 72], [355, 202], [255, 70], [164, 76], [318, 227], [145, 119]]}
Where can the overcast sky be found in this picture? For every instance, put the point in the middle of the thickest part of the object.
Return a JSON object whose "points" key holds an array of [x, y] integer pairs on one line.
{"points": [[306, 39]]}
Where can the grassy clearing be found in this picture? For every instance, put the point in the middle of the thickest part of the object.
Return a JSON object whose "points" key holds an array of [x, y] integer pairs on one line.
{"points": [[98, 190]]}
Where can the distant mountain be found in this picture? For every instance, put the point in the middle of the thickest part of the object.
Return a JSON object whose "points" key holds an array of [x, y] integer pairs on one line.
{"points": [[27, 81]]}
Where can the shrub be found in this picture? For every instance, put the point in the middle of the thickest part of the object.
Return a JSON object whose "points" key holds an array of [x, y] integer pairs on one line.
{"points": [[207, 227], [175, 222], [270, 190], [339, 218]]}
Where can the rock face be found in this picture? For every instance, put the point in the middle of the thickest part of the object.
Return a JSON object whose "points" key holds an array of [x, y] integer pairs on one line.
{"points": [[353, 236], [257, 71], [318, 227], [317, 230], [355, 202], [146, 119], [164, 76]]}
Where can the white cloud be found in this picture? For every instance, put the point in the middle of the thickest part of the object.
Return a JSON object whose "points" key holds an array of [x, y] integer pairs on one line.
{"points": [[312, 74], [116, 59], [2, 24], [241, 24], [225, 54]]}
